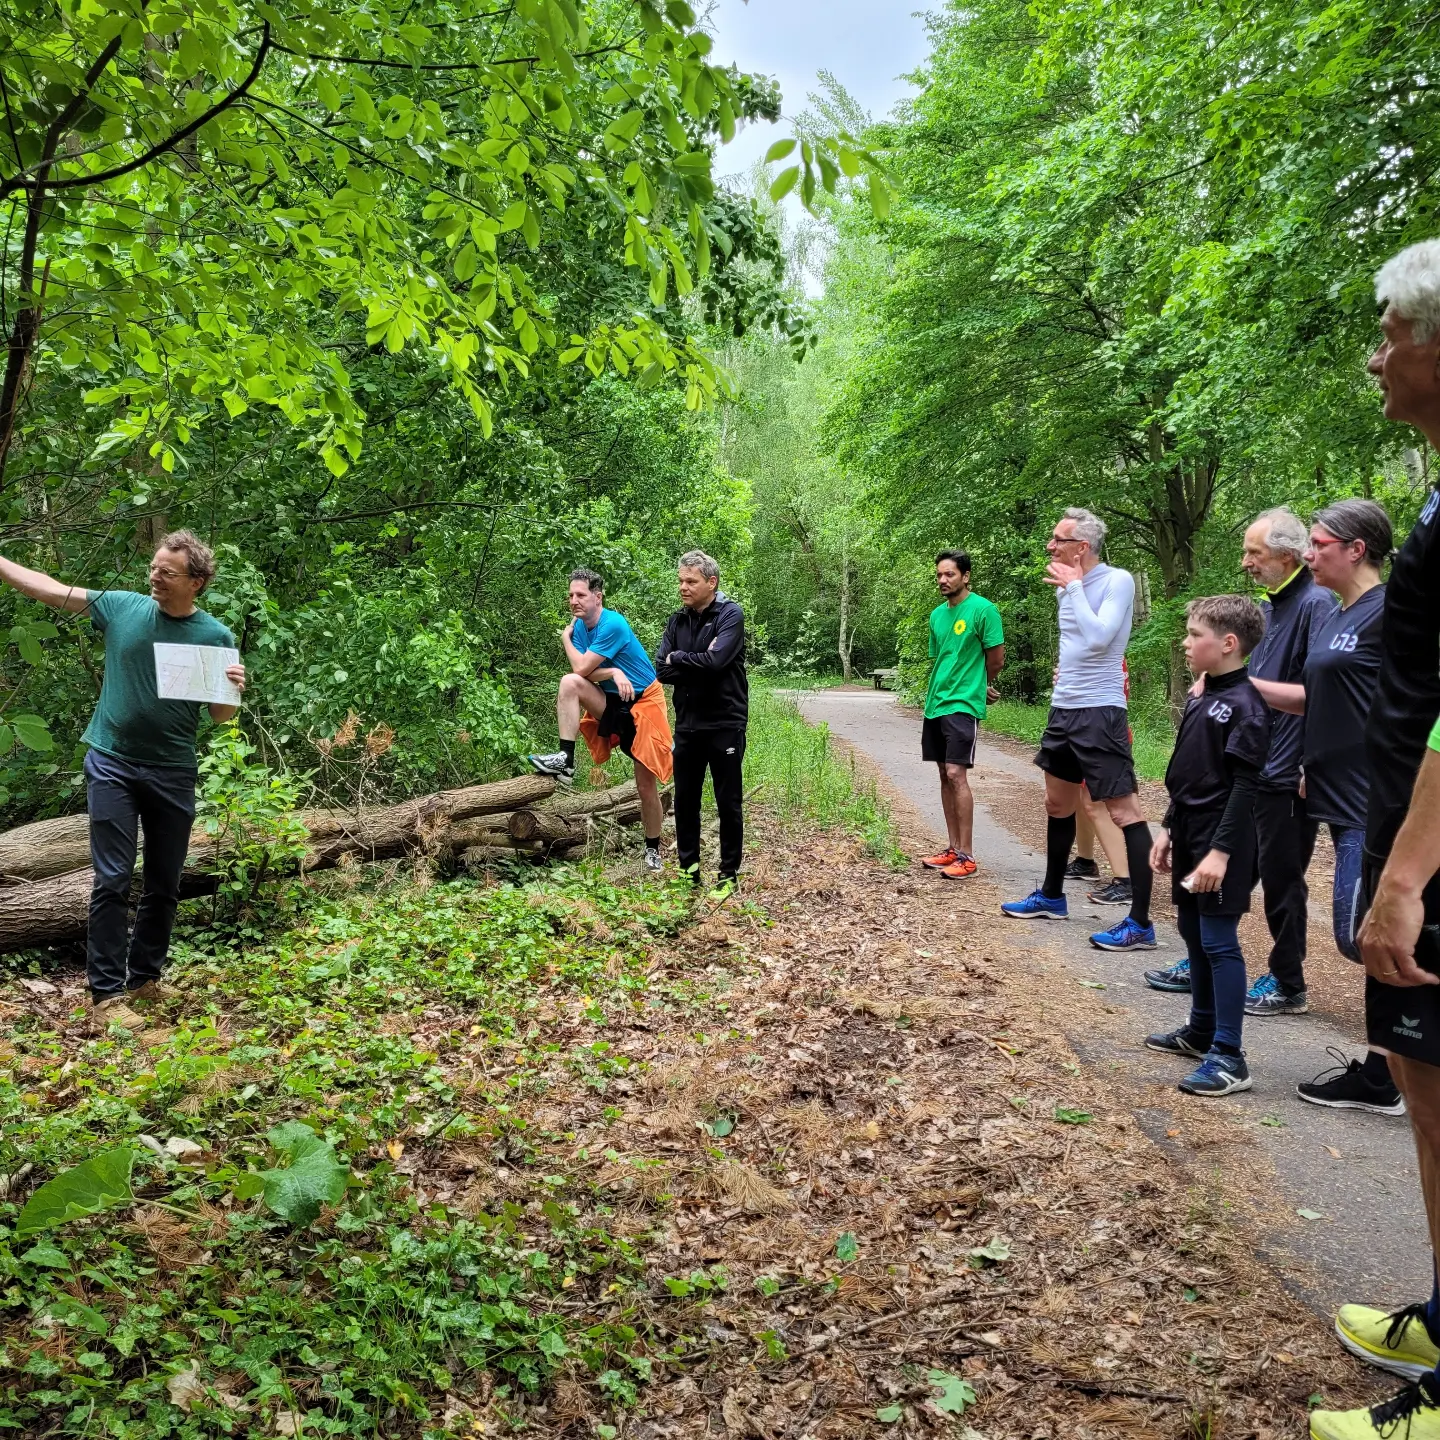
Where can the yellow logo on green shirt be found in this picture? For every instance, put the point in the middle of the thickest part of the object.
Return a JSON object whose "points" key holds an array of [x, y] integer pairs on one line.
{"points": [[960, 627]]}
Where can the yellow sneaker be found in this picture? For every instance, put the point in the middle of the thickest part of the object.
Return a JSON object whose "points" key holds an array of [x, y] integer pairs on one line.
{"points": [[1394, 1340], [1414, 1414]]}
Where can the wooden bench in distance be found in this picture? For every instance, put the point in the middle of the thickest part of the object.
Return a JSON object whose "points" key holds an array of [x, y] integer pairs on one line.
{"points": [[883, 677]]}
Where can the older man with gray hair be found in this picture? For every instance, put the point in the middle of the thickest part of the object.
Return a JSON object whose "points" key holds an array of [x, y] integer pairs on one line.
{"points": [[1087, 737], [1293, 605], [702, 654]]}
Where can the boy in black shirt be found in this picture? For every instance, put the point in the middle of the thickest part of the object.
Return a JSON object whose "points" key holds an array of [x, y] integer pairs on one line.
{"points": [[1208, 840]]}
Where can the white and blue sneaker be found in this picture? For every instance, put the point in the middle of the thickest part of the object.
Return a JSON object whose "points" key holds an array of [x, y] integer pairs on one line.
{"points": [[1127, 935], [1036, 906], [1176, 978], [1265, 997], [1218, 1074]]}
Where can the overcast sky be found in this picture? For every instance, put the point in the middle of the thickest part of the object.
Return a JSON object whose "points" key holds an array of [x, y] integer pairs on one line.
{"points": [[866, 44]]}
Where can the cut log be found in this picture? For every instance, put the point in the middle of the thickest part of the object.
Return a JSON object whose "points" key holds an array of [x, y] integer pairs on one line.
{"points": [[540, 821], [482, 857], [546, 826], [53, 847]]}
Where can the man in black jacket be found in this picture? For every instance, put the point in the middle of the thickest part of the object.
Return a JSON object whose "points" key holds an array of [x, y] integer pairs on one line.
{"points": [[1293, 604], [702, 654]]}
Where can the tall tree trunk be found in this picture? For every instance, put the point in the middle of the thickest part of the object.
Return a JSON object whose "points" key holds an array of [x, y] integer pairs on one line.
{"points": [[846, 642], [1179, 510]]}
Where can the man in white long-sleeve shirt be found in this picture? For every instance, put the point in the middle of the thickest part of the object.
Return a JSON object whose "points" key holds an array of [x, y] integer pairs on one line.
{"points": [[1087, 738]]}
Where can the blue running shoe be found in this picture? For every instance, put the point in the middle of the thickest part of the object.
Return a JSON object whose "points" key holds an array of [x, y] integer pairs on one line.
{"points": [[1265, 997], [1176, 978], [1127, 935], [1218, 1075], [1036, 906]]}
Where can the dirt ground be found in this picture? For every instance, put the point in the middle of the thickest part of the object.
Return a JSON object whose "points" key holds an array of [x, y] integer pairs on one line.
{"points": [[916, 1192]]}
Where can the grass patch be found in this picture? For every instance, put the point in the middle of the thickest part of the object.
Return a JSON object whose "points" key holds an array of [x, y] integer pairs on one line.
{"points": [[802, 774], [1153, 743], [373, 1051]]}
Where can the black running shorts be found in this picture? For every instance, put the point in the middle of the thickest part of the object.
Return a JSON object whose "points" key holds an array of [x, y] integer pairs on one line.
{"points": [[1090, 746], [617, 725], [1405, 1019], [950, 739]]}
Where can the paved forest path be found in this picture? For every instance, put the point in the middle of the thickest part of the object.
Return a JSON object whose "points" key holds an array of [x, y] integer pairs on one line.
{"points": [[1272, 1151]]}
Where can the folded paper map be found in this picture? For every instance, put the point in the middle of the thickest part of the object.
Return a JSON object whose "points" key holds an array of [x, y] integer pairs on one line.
{"points": [[195, 672]]}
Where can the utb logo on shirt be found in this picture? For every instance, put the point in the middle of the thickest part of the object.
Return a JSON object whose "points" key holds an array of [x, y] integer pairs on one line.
{"points": [[960, 626]]}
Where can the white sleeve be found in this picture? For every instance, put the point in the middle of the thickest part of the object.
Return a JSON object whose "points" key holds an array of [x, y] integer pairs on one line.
{"points": [[1098, 629]]}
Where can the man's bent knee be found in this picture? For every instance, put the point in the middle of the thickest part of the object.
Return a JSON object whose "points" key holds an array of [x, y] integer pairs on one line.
{"points": [[572, 684], [1125, 810], [958, 775]]}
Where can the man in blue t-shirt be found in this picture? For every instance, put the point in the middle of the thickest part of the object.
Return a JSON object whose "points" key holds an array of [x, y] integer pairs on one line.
{"points": [[612, 698]]}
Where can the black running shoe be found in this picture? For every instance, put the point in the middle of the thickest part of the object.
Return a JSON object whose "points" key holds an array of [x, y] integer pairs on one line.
{"points": [[1183, 1041], [1117, 892], [1081, 869], [1176, 978], [1348, 1087]]}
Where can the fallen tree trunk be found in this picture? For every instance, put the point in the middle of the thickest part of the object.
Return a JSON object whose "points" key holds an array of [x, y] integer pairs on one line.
{"points": [[44, 908], [55, 847]]}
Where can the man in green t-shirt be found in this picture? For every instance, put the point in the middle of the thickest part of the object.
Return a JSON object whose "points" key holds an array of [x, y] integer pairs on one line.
{"points": [[967, 652], [141, 767]]}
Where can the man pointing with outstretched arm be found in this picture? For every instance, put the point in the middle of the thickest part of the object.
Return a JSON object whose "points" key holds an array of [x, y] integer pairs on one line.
{"points": [[141, 767], [1087, 738]]}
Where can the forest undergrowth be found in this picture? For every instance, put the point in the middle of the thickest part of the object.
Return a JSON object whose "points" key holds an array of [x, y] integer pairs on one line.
{"points": [[568, 1152]]}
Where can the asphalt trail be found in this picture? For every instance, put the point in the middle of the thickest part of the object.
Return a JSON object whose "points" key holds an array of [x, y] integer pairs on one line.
{"points": [[1371, 1243]]}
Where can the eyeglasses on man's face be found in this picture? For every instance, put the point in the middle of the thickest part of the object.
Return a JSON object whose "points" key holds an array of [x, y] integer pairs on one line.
{"points": [[162, 572]]}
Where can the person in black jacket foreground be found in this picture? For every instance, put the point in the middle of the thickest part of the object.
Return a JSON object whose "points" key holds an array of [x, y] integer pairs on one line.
{"points": [[1208, 841], [702, 654]]}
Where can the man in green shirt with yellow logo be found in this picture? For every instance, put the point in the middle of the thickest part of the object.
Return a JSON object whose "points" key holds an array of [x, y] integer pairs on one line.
{"points": [[967, 652]]}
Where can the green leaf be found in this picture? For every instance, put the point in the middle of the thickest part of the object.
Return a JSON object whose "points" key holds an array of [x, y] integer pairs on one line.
{"points": [[779, 150], [846, 1248], [721, 1126], [955, 1393], [997, 1250], [33, 733], [1066, 1116], [879, 196], [97, 1184], [784, 183], [328, 92], [467, 259], [314, 1177], [48, 1254], [1305, 1214], [887, 1414]]}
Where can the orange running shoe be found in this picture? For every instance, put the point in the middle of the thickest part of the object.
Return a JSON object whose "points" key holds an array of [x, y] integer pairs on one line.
{"points": [[963, 868], [948, 856]]}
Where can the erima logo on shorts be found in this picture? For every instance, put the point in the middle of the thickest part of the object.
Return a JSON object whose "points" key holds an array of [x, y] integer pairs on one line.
{"points": [[1221, 711], [1431, 506], [1406, 1027], [960, 627]]}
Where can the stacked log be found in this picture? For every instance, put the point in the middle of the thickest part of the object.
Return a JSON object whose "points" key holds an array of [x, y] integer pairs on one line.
{"points": [[45, 879]]}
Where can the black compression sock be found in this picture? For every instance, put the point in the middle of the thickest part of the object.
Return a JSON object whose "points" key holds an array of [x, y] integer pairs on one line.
{"points": [[652, 844], [568, 746], [1376, 1068], [1142, 880], [1059, 837]]}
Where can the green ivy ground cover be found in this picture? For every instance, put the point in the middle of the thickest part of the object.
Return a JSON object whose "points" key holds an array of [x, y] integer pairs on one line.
{"points": [[299, 1272]]}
